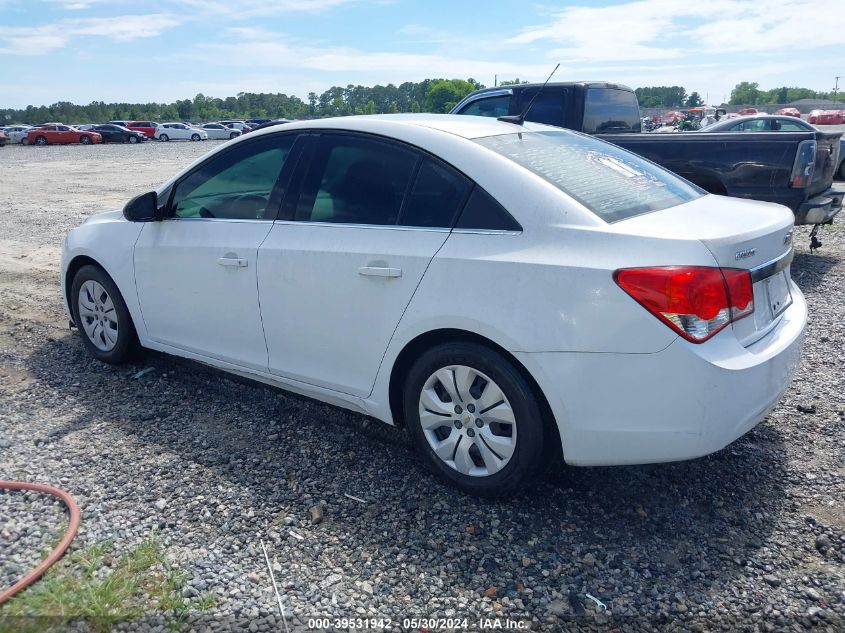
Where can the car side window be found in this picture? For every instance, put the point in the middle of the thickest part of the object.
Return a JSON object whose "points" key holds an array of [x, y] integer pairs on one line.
{"points": [[482, 212], [235, 185], [436, 196], [356, 180], [789, 126], [492, 106]]}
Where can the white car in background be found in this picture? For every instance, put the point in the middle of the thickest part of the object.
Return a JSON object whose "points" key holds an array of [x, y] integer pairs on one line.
{"points": [[507, 293], [218, 131], [16, 133], [176, 131]]}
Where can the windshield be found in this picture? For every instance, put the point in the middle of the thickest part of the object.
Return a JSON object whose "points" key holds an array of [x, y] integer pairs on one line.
{"points": [[610, 181]]}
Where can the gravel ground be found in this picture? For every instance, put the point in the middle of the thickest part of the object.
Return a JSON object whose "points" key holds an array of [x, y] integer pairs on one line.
{"points": [[752, 538]]}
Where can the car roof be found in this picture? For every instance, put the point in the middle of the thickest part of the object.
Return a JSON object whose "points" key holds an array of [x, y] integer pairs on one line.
{"points": [[469, 127]]}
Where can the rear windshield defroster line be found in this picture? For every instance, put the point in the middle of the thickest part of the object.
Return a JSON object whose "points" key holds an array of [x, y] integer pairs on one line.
{"points": [[611, 182]]}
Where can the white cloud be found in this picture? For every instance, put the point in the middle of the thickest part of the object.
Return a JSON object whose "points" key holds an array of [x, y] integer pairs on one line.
{"points": [[48, 38], [667, 29], [258, 8]]}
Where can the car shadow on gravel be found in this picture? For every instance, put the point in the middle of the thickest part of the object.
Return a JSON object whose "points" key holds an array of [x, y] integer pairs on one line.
{"points": [[636, 537], [809, 269]]}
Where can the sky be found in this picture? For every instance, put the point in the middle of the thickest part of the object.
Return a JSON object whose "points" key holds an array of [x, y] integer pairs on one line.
{"points": [[130, 51]]}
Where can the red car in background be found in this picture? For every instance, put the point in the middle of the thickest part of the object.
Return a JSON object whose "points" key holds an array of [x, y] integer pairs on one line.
{"points": [[672, 117], [59, 133], [827, 117], [147, 127], [789, 112], [747, 111]]}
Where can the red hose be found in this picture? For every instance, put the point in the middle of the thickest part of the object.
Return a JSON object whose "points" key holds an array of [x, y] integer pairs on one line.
{"points": [[59, 550]]}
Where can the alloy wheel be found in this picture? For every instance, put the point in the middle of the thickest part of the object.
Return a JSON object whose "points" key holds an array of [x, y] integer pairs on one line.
{"points": [[97, 315], [467, 420]]}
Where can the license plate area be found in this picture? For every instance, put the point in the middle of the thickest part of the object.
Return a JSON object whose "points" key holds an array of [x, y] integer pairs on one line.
{"points": [[778, 295]]}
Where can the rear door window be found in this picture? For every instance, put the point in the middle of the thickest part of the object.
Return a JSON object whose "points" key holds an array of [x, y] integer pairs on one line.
{"points": [[491, 106], [437, 194], [608, 180], [609, 110], [548, 107], [356, 180]]}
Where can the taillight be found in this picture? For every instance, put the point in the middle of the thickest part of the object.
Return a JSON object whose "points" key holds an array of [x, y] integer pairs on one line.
{"points": [[804, 165], [695, 301]]}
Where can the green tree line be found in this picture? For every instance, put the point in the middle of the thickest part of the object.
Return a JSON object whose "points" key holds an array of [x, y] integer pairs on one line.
{"points": [[430, 95]]}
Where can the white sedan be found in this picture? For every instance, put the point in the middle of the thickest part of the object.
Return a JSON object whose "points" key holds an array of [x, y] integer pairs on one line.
{"points": [[17, 133], [218, 131], [179, 131], [507, 293]]}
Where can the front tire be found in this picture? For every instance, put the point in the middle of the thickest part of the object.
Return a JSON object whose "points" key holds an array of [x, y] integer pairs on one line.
{"points": [[40, 140], [195, 137], [164, 138], [233, 135], [85, 140], [133, 139], [474, 418], [101, 316]]}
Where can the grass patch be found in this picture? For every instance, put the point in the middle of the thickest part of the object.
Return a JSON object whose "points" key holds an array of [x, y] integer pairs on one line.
{"points": [[83, 588]]}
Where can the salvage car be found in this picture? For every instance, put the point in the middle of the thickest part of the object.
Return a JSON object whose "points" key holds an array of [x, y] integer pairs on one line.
{"points": [[792, 169], [218, 131], [179, 131], [16, 133], [148, 128], [119, 134], [485, 284], [58, 133], [793, 112], [761, 123]]}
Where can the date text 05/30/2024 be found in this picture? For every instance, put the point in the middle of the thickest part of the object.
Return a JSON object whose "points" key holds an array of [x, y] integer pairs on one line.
{"points": [[419, 624]]}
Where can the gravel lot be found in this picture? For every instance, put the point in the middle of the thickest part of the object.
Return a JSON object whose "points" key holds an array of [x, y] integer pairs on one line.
{"points": [[752, 538]]}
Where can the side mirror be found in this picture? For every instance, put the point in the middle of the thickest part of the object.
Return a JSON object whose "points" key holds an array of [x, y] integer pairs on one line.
{"points": [[142, 208]]}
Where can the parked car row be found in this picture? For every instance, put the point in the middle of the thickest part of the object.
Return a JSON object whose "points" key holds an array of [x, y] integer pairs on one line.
{"points": [[120, 131]]}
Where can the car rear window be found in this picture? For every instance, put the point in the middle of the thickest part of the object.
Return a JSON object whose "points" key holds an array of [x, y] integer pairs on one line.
{"points": [[610, 181], [611, 110]]}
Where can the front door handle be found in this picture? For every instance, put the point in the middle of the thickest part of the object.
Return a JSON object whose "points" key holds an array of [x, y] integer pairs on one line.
{"points": [[380, 271], [232, 261]]}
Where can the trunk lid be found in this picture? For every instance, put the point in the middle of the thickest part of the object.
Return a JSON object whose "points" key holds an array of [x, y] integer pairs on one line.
{"points": [[744, 234]]}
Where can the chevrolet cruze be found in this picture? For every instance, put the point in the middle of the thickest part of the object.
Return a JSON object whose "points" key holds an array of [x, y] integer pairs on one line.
{"points": [[507, 293]]}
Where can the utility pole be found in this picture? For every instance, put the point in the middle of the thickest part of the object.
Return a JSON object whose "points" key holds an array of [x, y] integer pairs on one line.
{"points": [[836, 88]]}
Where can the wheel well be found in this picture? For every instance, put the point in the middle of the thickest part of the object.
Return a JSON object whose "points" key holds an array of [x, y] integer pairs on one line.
{"points": [[426, 341], [75, 264]]}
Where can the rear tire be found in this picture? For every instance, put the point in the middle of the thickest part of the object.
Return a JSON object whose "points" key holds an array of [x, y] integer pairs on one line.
{"points": [[24, 141], [101, 316], [488, 441]]}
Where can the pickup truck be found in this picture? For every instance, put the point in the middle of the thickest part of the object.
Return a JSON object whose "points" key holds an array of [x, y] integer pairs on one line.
{"points": [[795, 169]]}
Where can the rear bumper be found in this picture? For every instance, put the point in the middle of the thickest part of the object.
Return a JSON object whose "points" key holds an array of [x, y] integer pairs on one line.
{"points": [[681, 403], [820, 209]]}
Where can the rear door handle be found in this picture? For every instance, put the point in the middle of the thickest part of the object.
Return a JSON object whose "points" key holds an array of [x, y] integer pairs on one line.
{"points": [[232, 261], [379, 271]]}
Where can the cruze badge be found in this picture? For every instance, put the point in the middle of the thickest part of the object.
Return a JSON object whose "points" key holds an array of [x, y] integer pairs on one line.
{"points": [[787, 239], [748, 252]]}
